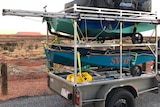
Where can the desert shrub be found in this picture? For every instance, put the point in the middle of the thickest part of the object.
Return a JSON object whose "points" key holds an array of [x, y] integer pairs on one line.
{"points": [[21, 44], [9, 46], [11, 49], [30, 47], [36, 46], [4, 53], [5, 47], [16, 56]]}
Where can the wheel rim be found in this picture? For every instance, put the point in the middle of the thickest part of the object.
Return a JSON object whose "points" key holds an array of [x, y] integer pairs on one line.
{"points": [[137, 38], [136, 71], [121, 103]]}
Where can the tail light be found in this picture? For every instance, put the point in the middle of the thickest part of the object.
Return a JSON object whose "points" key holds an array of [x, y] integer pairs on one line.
{"points": [[158, 21], [77, 99]]}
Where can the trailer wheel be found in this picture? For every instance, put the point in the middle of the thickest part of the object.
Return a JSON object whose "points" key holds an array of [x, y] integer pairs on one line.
{"points": [[120, 98], [136, 70], [137, 38]]}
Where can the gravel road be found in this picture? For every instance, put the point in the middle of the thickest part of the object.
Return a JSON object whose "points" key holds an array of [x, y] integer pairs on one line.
{"points": [[145, 100]]}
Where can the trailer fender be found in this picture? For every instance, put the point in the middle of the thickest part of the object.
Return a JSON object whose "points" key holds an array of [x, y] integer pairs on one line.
{"points": [[105, 90]]}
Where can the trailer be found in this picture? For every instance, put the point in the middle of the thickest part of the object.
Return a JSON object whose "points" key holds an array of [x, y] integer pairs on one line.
{"points": [[99, 86]]}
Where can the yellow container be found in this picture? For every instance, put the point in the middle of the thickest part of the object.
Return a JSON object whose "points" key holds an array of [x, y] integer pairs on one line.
{"points": [[81, 77]]}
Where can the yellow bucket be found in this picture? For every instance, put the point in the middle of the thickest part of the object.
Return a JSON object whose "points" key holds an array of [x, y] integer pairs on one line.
{"points": [[81, 77]]}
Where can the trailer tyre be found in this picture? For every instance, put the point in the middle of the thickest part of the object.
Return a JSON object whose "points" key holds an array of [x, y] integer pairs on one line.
{"points": [[120, 98], [137, 38], [136, 70]]}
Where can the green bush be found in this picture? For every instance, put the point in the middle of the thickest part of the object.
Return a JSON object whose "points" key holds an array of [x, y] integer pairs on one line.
{"points": [[9, 46], [11, 49]]}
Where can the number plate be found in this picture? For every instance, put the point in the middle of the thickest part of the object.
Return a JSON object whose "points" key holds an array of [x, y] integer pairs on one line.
{"points": [[65, 92]]}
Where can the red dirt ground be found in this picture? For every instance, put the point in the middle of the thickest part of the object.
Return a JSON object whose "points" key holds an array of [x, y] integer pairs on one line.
{"points": [[27, 81]]}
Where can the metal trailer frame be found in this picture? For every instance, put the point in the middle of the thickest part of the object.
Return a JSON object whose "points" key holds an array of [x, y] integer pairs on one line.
{"points": [[99, 90], [96, 92]]}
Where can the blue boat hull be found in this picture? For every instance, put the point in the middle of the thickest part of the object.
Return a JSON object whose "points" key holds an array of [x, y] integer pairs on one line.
{"points": [[95, 58]]}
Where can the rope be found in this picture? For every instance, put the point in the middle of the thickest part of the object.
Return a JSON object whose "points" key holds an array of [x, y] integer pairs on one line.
{"points": [[56, 40], [86, 29], [104, 29], [79, 65], [133, 61], [76, 32], [149, 39], [80, 31]]}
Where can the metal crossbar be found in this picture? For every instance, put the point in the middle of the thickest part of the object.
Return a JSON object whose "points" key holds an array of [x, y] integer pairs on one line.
{"points": [[106, 11], [113, 14]]}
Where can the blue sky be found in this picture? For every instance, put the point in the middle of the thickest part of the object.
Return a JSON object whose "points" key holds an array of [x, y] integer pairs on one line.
{"points": [[14, 24]]}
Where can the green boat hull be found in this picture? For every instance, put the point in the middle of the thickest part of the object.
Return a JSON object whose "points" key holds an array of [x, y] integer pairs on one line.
{"points": [[92, 28]]}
